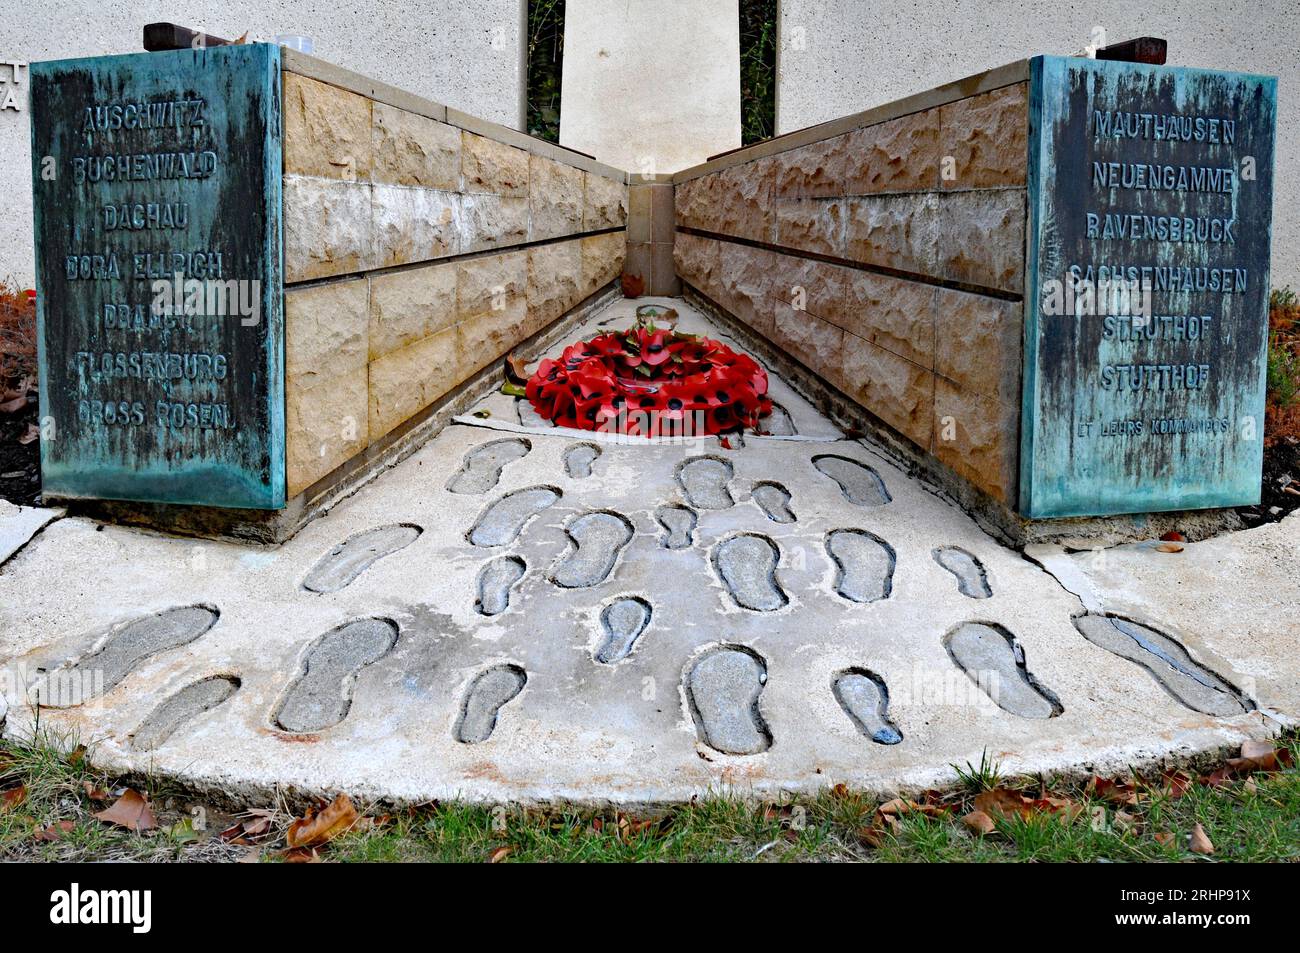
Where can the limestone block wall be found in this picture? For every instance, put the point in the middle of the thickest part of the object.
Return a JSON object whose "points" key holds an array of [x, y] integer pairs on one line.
{"points": [[420, 245], [885, 251]]}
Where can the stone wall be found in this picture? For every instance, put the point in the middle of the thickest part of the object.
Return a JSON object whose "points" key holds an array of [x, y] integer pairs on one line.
{"points": [[885, 252], [421, 245]]}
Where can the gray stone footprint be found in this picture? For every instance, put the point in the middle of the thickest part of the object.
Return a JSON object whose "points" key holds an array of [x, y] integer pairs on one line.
{"points": [[864, 564], [186, 704], [704, 480], [481, 469], [495, 581], [746, 564], [321, 696], [774, 500], [865, 699], [722, 690], [678, 523], [994, 660], [779, 423], [1168, 661], [579, 458], [621, 622], [125, 648], [350, 558], [860, 484], [503, 520], [972, 580], [484, 699], [598, 537], [528, 415]]}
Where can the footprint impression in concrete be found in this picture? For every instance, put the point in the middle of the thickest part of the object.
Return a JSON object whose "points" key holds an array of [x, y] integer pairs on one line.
{"points": [[188, 703], [349, 559], [1168, 661], [994, 660], [495, 581], [778, 423], [746, 564], [621, 623], [579, 458], [598, 537], [865, 699], [505, 518], [321, 695], [481, 470], [860, 484], [722, 690], [484, 699], [678, 523], [131, 644], [972, 580], [774, 500], [864, 564], [528, 415], [704, 481]]}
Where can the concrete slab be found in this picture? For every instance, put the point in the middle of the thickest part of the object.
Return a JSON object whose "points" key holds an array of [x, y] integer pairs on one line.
{"points": [[18, 524], [626, 643]]}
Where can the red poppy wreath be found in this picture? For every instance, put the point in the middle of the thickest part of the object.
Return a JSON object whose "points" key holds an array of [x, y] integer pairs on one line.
{"points": [[648, 381]]}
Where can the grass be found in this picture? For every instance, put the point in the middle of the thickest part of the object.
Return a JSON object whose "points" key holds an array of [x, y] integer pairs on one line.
{"points": [[1283, 411], [1254, 817]]}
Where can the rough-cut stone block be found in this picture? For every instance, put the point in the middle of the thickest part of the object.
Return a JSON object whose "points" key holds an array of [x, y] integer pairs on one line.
{"points": [[554, 279], [406, 381], [326, 330], [697, 260], [893, 388], [327, 227], [987, 138], [492, 167], [978, 342], [809, 285], [892, 313], [978, 438], [555, 198], [812, 171], [747, 285], [410, 149], [602, 260], [900, 155], [604, 203], [741, 202], [815, 225], [492, 221], [413, 224], [486, 336], [407, 306], [893, 231], [981, 238], [326, 130], [491, 283], [695, 203], [815, 343]]}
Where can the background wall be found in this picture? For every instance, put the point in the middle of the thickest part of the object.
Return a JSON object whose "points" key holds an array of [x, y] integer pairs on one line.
{"points": [[651, 86], [841, 56], [463, 53]]}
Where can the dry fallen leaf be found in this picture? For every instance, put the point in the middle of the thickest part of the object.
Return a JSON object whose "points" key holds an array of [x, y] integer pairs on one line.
{"points": [[1164, 839], [1200, 842], [1001, 802], [979, 822], [1260, 756], [11, 798], [500, 854], [131, 811], [56, 830], [94, 793], [1250, 787], [315, 829]]}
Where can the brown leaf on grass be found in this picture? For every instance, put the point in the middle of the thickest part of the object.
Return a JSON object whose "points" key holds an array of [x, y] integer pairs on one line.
{"points": [[500, 854], [1124, 822], [131, 811], [77, 755], [254, 825], [1164, 839], [315, 829], [94, 793], [1001, 802], [1250, 787], [53, 832], [300, 855], [629, 827], [1260, 756], [1200, 841], [1175, 783], [11, 798], [840, 791], [979, 822], [871, 836], [1217, 778], [1116, 792]]}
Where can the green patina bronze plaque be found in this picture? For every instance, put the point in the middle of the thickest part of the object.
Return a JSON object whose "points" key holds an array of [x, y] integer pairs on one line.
{"points": [[1146, 311], [156, 181]]}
